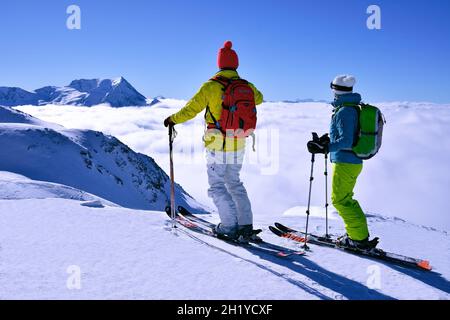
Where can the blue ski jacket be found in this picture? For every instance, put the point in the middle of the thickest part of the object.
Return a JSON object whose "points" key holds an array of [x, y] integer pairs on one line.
{"points": [[344, 124]]}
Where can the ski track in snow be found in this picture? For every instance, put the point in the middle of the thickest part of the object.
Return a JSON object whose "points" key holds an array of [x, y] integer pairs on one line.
{"points": [[129, 254]]}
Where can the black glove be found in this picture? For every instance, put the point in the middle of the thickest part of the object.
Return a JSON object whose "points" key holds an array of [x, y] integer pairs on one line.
{"points": [[168, 122], [319, 145], [325, 139], [316, 147]]}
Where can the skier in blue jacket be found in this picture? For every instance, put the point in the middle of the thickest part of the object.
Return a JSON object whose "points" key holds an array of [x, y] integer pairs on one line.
{"points": [[346, 165]]}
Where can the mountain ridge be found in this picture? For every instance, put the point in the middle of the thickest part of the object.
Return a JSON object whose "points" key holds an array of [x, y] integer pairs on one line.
{"points": [[117, 92]]}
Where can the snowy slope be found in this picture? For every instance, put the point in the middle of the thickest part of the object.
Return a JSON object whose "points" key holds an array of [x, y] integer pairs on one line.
{"points": [[408, 179], [85, 160], [127, 254], [84, 92], [9, 115], [17, 187]]}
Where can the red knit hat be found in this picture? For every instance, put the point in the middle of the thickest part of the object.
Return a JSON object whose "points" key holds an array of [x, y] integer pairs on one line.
{"points": [[227, 57]]}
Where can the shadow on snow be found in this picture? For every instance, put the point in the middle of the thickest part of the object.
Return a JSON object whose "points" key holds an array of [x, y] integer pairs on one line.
{"points": [[347, 288]]}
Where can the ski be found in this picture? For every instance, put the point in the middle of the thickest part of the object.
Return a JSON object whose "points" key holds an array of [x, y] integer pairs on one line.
{"points": [[194, 218], [204, 227], [298, 236], [185, 213]]}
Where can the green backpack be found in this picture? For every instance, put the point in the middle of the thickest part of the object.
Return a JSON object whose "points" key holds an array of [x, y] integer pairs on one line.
{"points": [[369, 135]]}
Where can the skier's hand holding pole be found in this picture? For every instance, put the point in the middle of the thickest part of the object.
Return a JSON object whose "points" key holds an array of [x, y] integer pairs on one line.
{"points": [[318, 145]]}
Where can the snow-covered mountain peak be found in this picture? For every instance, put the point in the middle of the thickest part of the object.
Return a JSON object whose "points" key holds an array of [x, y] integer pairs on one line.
{"points": [[119, 81], [116, 92]]}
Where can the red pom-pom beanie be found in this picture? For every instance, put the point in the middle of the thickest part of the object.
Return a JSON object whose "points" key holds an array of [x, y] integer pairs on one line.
{"points": [[227, 57]]}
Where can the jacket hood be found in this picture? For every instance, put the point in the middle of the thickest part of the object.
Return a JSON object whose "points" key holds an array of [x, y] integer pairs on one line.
{"points": [[344, 99]]}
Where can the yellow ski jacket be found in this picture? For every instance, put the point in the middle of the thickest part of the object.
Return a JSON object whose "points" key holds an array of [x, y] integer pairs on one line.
{"points": [[210, 95]]}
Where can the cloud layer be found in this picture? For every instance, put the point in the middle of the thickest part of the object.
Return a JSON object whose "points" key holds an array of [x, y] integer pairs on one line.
{"points": [[408, 179]]}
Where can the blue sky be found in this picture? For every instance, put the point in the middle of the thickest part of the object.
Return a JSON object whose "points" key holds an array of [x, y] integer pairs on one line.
{"points": [[288, 48]]}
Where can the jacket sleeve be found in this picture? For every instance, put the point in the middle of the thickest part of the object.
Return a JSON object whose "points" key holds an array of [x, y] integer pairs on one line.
{"points": [[196, 105], [258, 95], [346, 126]]}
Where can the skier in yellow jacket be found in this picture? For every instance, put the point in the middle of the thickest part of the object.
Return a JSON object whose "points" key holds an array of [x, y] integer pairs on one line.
{"points": [[224, 154]]}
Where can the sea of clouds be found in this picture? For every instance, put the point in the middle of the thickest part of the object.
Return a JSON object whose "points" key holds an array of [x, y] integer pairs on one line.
{"points": [[409, 178]]}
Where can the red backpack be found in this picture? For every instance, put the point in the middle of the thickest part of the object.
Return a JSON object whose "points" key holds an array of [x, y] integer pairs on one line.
{"points": [[238, 117]]}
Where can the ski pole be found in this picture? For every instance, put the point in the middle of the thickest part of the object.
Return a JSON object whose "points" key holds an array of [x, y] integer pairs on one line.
{"points": [[172, 135], [326, 195], [311, 179]]}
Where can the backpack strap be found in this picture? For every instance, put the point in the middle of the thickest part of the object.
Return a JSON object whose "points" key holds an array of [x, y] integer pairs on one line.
{"points": [[225, 82], [216, 123], [357, 108]]}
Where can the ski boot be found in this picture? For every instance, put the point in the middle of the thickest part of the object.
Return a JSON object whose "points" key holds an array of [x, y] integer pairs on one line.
{"points": [[223, 233], [246, 234], [365, 245]]}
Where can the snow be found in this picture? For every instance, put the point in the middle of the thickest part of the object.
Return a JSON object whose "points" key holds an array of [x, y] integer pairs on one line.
{"points": [[130, 254], [18, 187], [57, 217], [9, 115]]}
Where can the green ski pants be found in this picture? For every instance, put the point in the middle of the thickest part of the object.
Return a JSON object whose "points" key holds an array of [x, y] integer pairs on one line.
{"points": [[343, 183]]}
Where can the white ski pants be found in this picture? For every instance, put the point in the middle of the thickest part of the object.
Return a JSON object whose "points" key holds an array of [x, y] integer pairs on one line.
{"points": [[226, 189]]}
